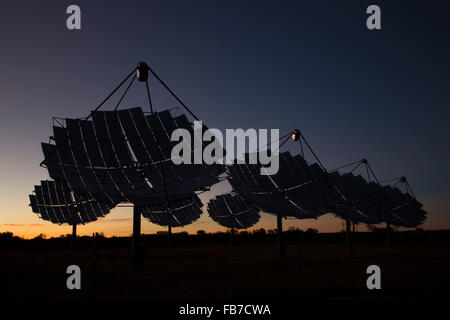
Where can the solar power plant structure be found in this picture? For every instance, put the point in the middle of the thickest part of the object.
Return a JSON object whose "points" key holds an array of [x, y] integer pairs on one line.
{"points": [[370, 203], [54, 202], [361, 202], [231, 211], [406, 211], [297, 190], [174, 215], [303, 191], [124, 156]]}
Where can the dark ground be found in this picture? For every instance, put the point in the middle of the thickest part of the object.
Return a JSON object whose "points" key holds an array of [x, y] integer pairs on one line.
{"points": [[417, 267]]}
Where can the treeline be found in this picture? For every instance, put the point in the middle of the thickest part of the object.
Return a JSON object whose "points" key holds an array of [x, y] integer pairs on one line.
{"points": [[292, 236], [257, 232], [159, 239]]}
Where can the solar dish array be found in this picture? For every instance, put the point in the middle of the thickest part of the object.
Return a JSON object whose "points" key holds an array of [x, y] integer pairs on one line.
{"points": [[231, 211], [304, 191], [54, 202], [125, 156]]}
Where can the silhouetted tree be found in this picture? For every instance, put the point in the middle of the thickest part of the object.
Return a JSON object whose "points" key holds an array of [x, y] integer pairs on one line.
{"points": [[311, 231], [261, 231], [372, 228], [6, 235], [293, 229]]}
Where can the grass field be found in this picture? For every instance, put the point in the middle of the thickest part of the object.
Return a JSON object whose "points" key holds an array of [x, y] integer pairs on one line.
{"points": [[217, 272]]}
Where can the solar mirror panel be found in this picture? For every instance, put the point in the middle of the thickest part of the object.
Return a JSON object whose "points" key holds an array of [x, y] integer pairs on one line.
{"points": [[232, 212]]}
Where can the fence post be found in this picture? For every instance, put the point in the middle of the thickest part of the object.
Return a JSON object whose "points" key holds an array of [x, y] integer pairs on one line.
{"points": [[137, 248], [280, 240], [349, 236], [94, 264]]}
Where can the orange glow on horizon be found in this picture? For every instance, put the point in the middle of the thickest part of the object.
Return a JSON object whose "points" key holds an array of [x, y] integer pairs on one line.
{"points": [[16, 217]]}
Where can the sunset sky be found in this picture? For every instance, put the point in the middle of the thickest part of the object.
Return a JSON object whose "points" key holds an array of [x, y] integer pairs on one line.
{"points": [[382, 95]]}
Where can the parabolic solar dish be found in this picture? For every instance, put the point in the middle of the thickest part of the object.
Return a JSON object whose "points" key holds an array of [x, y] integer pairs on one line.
{"points": [[298, 189], [370, 203], [54, 201], [177, 214], [362, 202], [124, 156], [405, 210], [231, 211]]}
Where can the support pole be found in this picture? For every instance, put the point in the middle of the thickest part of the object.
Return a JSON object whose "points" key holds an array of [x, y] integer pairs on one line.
{"points": [[74, 236], [94, 264], [137, 254], [280, 240], [349, 236], [388, 235], [169, 236], [232, 237]]}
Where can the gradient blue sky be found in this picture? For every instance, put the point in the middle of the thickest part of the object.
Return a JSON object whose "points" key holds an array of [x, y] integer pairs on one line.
{"points": [[312, 65]]}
